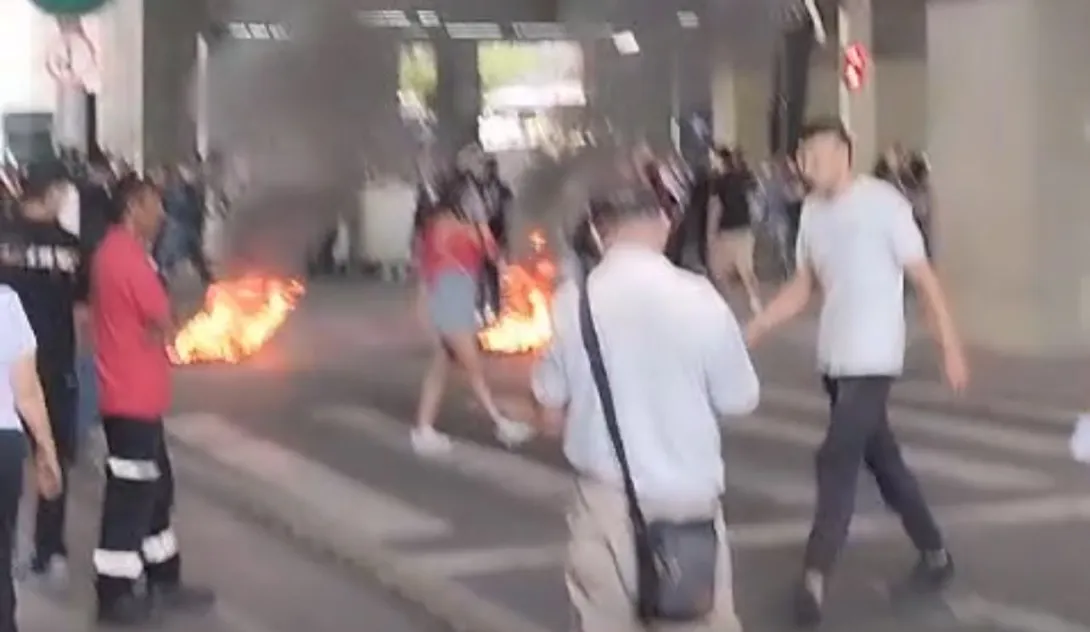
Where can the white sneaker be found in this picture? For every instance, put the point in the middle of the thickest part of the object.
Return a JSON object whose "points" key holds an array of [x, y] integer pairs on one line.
{"points": [[430, 442], [513, 433], [1080, 440]]}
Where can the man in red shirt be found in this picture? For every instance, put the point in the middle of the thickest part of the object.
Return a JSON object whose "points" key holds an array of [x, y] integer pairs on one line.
{"points": [[131, 322]]}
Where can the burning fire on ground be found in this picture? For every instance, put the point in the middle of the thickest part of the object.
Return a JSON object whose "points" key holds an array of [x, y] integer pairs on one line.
{"points": [[524, 324], [238, 319]]}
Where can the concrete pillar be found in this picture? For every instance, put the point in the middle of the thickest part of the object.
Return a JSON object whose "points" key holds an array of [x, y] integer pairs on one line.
{"points": [[655, 82], [170, 55], [121, 99], [859, 109], [693, 75], [458, 93], [724, 87], [1009, 142]]}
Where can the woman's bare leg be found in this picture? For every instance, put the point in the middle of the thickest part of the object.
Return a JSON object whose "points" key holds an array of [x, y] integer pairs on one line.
{"points": [[468, 357], [431, 391]]}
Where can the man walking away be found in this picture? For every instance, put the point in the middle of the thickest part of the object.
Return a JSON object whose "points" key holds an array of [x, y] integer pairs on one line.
{"points": [[42, 262], [857, 240], [184, 239], [675, 361], [132, 321]]}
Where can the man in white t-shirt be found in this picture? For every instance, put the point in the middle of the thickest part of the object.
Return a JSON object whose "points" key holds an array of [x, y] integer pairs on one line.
{"points": [[857, 241]]}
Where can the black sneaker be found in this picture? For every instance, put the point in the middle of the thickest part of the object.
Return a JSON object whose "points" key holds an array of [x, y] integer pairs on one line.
{"points": [[182, 598], [931, 575], [809, 602], [129, 611]]}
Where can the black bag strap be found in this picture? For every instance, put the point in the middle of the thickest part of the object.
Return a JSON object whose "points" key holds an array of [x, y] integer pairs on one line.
{"points": [[598, 369]]}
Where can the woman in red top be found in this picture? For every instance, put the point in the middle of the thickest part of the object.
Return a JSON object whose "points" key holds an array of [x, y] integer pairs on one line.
{"points": [[450, 255]]}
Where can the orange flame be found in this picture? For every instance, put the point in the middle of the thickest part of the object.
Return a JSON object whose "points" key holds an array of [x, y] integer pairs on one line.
{"points": [[524, 324], [238, 319]]}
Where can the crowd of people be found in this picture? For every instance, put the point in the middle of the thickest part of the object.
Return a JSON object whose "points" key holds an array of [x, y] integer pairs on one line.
{"points": [[86, 318], [647, 355]]}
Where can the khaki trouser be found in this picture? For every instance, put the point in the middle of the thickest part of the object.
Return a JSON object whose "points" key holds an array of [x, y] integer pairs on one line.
{"points": [[601, 565], [731, 253]]}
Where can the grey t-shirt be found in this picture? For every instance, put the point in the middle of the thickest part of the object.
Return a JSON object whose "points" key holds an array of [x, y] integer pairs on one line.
{"points": [[857, 245]]}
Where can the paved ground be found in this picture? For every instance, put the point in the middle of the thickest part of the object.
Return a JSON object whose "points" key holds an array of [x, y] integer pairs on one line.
{"points": [[265, 583], [311, 437]]}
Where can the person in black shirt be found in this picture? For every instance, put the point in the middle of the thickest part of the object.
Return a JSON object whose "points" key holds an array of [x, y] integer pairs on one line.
{"points": [[97, 209], [694, 222], [730, 235], [44, 264]]}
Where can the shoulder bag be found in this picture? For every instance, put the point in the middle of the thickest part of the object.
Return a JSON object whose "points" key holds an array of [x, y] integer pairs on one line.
{"points": [[675, 560]]}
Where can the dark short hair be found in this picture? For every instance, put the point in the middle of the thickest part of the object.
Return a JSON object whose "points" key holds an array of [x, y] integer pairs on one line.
{"points": [[829, 126], [41, 177], [130, 189]]}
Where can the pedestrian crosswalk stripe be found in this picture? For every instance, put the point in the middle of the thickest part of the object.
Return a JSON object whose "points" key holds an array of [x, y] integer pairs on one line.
{"points": [[744, 479], [324, 493], [517, 475], [930, 393], [978, 431], [976, 611], [526, 478], [949, 466], [783, 533]]}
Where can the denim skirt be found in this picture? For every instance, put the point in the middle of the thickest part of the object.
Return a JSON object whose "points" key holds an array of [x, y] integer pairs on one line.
{"points": [[452, 303]]}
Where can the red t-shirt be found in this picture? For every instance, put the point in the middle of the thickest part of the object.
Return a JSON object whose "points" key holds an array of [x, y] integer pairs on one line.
{"points": [[448, 245], [127, 301]]}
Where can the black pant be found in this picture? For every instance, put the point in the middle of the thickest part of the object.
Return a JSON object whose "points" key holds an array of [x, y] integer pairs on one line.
{"points": [[859, 433], [194, 253], [136, 538], [61, 398], [12, 455]]}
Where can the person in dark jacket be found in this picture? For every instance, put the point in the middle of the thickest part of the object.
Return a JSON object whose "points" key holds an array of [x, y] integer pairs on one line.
{"points": [[45, 265]]}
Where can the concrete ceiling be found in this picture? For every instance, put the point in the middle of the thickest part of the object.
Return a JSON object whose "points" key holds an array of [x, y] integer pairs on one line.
{"points": [[746, 27]]}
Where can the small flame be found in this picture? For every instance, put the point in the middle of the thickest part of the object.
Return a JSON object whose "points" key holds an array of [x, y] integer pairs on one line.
{"points": [[524, 324], [239, 317]]}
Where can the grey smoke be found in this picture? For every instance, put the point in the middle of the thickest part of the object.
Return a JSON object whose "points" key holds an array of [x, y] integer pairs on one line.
{"points": [[309, 117], [312, 115]]}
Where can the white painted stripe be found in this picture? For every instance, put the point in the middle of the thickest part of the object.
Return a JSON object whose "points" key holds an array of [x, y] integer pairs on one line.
{"points": [[124, 564], [979, 431], [525, 478], [934, 394], [236, 620], [38, 612], [133, 469], [326, 494], [977, 611], [1050, 510], [772, 535], [160, 548], [950, 466], [488, 560], [744, 479], [509, 472]]}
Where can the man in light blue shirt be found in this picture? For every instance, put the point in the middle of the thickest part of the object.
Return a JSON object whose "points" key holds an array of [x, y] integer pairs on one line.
{"points": [[676, 362]]}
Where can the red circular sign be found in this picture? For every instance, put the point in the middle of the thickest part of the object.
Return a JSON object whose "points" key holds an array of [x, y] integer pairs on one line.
{"points": [[856, 65]]}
